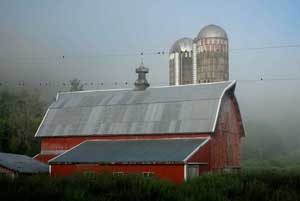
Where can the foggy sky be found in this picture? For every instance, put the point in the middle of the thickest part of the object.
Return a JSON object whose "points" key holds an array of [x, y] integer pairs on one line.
{"points": [[34, 35]]}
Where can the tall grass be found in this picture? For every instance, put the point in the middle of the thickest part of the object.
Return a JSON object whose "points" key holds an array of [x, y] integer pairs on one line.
{"points": [[85, 187], [247, 185]]}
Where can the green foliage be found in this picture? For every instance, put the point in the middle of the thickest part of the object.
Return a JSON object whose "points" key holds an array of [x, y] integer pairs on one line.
{"points": [[248, 185], [20, 116], [86, 187], [76, 85]]}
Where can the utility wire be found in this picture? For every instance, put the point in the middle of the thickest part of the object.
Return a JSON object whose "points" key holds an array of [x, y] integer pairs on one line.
{"points": [[266, 47], [158, 53], [125, 83]]}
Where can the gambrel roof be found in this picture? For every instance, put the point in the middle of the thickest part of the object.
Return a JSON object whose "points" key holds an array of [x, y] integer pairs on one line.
{"points": [[158, 110]]}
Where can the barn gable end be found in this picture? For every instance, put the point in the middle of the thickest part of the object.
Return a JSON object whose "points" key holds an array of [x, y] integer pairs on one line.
{"points": [[225, 143]]}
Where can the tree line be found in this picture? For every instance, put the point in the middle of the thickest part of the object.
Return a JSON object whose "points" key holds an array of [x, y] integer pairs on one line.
{"points": [[20, 116]]}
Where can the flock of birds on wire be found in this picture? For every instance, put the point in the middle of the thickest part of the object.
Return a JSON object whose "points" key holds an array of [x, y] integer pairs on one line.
{"points": [[102, 84], [65, 84]]}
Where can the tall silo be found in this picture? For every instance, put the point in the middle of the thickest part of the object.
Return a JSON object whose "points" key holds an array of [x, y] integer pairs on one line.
{"points": [[181, 62], [211, 59]]}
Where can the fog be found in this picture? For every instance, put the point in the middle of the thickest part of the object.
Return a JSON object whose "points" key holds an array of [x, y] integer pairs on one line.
{"points": [[44, 44]]}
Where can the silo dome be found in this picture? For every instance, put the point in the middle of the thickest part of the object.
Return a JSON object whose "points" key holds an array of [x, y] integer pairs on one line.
{"points": [[212, 31], [182, 45]]}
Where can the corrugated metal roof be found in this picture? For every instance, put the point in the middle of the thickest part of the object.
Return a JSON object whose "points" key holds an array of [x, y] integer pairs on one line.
{"points": [[22, 163], [133, 151], [172, 109]]}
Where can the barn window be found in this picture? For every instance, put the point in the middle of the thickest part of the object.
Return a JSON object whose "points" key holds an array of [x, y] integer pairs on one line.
{"points": [[118, 173], [192, 171], [148, 174]]}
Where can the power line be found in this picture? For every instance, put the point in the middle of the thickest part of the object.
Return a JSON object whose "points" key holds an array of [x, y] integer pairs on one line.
{"points": [[273, 79], [68, 57], [124, 83], [266, 47], [158, 53]]}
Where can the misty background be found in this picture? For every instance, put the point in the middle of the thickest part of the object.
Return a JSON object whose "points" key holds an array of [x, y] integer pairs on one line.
{"points": [[44, 44]]}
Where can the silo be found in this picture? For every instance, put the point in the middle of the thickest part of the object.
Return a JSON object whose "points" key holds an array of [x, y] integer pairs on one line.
{"points": [[212, 54], [181, 62]]}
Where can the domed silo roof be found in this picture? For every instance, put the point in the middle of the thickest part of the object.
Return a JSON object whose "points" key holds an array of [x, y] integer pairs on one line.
{"points": [[212, 31], [182, 45]]}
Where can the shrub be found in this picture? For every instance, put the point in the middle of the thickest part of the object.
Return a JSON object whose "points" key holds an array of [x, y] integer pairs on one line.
{"points": [[247, 185]]}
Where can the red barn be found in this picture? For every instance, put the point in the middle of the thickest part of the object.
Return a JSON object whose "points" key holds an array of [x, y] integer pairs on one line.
{"points": [[172, 132]]}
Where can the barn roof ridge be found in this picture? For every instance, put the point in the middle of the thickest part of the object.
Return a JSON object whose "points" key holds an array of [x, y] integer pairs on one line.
{"points": [[154, 87], [186, 100]]}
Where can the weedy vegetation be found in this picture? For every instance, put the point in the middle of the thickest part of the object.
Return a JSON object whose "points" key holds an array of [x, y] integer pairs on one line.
{"points": [[247, 185]]}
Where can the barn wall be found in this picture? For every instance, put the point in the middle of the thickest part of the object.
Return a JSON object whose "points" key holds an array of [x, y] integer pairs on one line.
{"points": [[174, 172], [225, 143], [4, 170], [202, 156], [44, 158]]}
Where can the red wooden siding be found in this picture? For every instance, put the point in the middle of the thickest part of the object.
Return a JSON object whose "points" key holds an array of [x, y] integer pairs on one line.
{"points": [[6, 171], [172, 172], [44, 158], [225, 143], [202, 156]]}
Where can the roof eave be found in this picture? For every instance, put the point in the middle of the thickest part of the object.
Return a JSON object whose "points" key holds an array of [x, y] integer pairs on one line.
{"points": [[120, 163], [120, 135]]}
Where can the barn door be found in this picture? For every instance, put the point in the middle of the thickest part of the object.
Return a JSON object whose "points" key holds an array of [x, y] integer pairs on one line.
{"points": [[192, 171]]}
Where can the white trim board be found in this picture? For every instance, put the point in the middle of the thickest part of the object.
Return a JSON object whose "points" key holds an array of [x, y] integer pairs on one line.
{"points": [[220, 102], [67, 151], [50, 170], [195, 150], [37, 131], [185, 172], [148, 139]]}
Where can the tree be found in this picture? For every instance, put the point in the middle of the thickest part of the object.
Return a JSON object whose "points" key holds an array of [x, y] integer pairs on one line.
{"points": [[76, 85], [20, 116]]}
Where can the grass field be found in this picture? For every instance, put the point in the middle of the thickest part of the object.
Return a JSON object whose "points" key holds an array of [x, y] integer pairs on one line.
{"points": [[247, 185]]}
